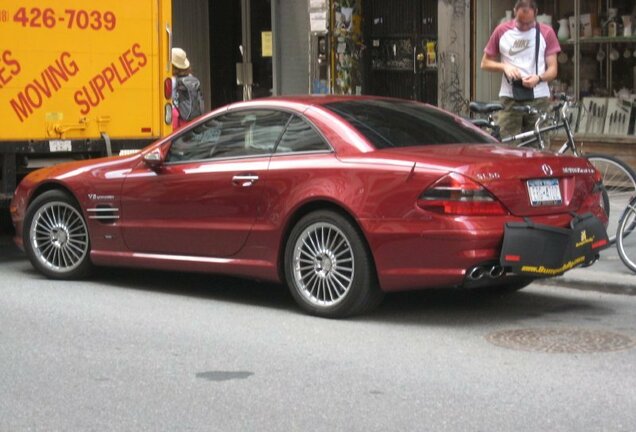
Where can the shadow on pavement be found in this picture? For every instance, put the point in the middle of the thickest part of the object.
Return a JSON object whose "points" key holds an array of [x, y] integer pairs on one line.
{"points": [[440, 307], [458, 308], [201, 285], [437, 307], [8, 250]]}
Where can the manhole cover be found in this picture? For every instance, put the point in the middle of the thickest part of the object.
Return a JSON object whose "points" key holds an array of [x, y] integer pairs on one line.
{"points": [[556, 340]]}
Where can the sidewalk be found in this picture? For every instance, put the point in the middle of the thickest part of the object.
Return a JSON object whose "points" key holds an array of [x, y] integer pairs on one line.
{"points": [[607, 275]]}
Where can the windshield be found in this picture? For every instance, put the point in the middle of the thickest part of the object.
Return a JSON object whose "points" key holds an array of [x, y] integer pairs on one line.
{"points": [[394, 123]]}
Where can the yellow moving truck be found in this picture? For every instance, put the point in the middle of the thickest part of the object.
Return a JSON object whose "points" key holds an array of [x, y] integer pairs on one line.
{"points": [[80, 79]]}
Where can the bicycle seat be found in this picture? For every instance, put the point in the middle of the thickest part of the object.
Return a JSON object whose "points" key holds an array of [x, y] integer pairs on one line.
{"points": [[485, 107]]}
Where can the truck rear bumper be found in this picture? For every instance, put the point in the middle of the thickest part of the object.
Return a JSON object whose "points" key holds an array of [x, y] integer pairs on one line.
{"points": [[18, 158]]}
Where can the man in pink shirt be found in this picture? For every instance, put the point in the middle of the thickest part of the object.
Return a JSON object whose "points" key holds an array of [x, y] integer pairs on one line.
{"points": [[511, 51]]}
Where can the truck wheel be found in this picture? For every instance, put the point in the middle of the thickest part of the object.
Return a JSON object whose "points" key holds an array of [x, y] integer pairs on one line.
{"points": [[328, 267], [5, 221], [56, 237]]}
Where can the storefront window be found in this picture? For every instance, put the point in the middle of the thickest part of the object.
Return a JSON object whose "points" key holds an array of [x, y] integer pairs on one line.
{"points": [[597, 64]]}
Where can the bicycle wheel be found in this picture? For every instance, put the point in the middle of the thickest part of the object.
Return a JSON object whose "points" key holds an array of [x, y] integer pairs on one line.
{"points": [[626, 236], [620, 184]]}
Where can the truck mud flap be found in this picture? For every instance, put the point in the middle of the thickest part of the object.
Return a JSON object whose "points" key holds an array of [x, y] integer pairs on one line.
{"points": [[543, 251]]}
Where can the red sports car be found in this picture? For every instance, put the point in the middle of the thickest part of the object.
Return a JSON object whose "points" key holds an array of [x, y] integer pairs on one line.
{"points": [[341, 198]]}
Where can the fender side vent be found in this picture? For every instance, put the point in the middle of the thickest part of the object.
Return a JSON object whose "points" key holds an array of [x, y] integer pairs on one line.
{"points": [[104, 213]]}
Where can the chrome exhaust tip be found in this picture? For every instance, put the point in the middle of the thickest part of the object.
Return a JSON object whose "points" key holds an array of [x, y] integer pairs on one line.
{"points": [[476, 273], [496, 271]]}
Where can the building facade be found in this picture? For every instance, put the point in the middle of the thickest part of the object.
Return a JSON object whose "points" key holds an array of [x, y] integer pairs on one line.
{"points": [[427, 50], [327, 46]]}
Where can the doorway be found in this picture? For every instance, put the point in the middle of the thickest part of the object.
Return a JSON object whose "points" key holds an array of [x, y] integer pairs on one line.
{"points": [[240, 47], [403, 56]]}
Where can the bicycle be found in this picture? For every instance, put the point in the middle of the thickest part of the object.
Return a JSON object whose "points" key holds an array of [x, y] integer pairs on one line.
{"points": [[625, 237], [619, 179]]}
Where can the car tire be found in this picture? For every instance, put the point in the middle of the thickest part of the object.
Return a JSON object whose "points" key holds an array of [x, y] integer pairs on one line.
{"points": [[328, 267], [56, 237]]}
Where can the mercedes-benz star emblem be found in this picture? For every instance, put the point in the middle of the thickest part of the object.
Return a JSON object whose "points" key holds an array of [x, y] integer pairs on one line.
{"points": [[547, 169]]}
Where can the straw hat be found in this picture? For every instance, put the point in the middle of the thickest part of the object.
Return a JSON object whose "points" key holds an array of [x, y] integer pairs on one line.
{"points": [[180, 59]]}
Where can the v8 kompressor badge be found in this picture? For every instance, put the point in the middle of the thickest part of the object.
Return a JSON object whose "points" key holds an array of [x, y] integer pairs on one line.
{"points": [[95, 197]]}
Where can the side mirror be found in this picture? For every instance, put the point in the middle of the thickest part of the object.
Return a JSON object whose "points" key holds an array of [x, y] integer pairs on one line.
{"points": [[154, 159]]}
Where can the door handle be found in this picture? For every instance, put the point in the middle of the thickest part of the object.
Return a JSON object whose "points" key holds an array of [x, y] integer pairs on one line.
{"points": [[244, 180]]}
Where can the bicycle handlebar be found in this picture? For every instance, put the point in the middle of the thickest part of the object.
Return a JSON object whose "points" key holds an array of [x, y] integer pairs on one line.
{"points": [[559, 118], [525, 109]]}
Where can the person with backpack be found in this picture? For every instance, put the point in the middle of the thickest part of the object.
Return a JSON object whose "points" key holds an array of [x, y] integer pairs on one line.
{"points": [[187, 102]]}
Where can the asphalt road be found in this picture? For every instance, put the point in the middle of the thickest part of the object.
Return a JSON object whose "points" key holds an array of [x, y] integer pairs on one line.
{"points": [[142, 350]]}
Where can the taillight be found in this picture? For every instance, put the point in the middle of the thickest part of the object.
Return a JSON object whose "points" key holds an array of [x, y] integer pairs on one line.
{"points": [[455, 194], [167, 88]]}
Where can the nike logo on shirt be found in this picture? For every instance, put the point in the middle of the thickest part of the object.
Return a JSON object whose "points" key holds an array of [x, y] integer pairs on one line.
{"points": [[519, 46]]}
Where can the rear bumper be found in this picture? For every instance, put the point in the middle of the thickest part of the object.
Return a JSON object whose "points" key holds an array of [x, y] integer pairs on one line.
{"points": [[440, 252]]}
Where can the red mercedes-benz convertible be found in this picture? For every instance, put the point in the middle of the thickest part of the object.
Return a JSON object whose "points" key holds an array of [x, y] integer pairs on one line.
{"points": [[341, 198]]}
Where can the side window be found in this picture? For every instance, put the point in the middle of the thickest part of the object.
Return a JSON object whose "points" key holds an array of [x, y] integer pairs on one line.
{"points": [[240, 133], [247, 133], [300, 137], [196, 143]]}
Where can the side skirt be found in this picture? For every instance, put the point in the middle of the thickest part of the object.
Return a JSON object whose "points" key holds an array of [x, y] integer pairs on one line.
{"points": [[256, 269]]}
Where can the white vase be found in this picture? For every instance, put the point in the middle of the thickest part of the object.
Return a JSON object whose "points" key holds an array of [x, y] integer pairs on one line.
{"points": [[545, 19], [627, 25], [564, 30]]}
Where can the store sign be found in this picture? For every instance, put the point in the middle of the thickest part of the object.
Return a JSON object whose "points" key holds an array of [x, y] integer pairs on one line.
{"points": [[318, 13], [266, 44]]}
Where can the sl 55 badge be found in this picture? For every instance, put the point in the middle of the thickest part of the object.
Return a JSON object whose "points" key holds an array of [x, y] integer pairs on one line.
{"points": [[488, 176]]}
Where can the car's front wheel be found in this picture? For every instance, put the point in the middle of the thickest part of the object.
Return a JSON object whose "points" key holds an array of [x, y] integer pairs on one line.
{"points": [[56, 236], [328, 267]]}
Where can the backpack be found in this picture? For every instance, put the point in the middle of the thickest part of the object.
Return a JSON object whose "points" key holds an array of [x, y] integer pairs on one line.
{"points": [[189, 100]]}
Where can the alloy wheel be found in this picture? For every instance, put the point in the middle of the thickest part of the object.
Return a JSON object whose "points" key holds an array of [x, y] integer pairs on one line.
{"points": [[59, 237], [323, 264]]}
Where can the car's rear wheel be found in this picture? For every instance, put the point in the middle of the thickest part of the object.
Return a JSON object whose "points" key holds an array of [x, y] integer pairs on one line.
{"points": [[328, 267], [56, 236]]}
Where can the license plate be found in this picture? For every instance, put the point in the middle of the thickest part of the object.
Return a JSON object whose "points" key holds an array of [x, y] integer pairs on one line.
{"points": [[544, 192], [60, 146]]}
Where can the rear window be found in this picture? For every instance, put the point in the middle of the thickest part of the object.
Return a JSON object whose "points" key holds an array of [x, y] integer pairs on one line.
{"points": [[390, 123]]}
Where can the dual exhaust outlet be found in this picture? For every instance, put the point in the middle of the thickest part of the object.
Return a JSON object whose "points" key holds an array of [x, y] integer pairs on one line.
{"points": [[492, 271]]}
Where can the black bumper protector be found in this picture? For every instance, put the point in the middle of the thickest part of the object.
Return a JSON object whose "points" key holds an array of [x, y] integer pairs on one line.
{"points": [[543, 251]]}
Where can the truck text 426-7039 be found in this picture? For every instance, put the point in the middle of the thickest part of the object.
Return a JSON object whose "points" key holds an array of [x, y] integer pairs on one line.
{"points": [[80, 79]]}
